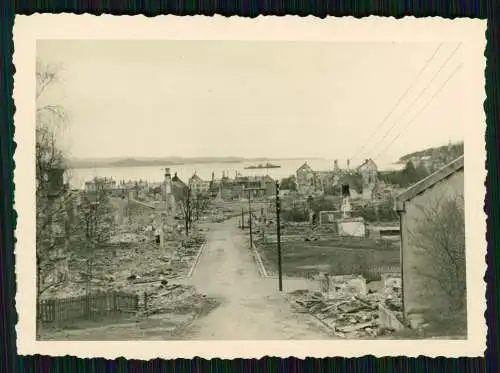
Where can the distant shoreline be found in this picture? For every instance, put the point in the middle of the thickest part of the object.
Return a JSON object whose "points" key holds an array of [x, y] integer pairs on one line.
{"points": [[82, 164]]}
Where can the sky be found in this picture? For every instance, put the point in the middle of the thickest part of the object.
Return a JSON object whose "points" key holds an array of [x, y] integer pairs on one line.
{"points": [[253, 98]]}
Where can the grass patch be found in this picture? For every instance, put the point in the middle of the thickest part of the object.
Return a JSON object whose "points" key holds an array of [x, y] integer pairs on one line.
{"points": [[332, 256]]}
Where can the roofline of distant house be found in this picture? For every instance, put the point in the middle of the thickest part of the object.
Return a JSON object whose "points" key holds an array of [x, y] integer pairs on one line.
{"points": [[429, 181]]}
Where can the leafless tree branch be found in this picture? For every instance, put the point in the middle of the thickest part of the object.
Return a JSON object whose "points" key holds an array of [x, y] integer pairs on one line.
{"points": [[440, 236]]}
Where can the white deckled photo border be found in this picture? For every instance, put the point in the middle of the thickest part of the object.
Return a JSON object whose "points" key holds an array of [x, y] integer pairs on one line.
{"points": [[471, 33]]}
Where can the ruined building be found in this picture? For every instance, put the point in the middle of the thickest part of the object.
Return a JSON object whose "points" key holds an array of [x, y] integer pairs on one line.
{"points": [[311, 182]]}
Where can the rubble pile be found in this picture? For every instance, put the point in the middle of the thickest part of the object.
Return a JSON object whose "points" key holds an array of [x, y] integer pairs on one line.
{"points": [[165, 298], [128, 237], [185, 252], [193, 242], [161, 297], [349, 307], [129, 263]]}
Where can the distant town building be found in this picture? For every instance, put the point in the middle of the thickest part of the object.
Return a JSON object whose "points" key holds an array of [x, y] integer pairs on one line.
{"points": [[198, 185], [259, 186], [103, 182], [167, 191], [308, 184], [179, 191], [311, 182], [269, 184], [423, 292], [369, 173]]}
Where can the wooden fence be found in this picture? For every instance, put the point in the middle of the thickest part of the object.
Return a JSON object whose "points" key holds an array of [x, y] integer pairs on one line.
{"points": [[53, 310]]}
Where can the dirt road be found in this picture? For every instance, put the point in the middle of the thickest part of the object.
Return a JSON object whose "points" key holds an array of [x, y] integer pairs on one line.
{"points": [[251, 306]]}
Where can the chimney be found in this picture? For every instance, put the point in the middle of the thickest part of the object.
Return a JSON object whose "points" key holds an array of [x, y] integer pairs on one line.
{"points": [[348, 164], [336, 164], [213, 176], [167, 182], [56, 180]]}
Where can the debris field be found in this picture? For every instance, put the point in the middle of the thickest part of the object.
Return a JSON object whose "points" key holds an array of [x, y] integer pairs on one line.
{"points": [[352, 309]]}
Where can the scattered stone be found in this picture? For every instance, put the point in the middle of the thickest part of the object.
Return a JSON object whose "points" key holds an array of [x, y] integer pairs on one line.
{"points": [[348, 308], [353, 328]]}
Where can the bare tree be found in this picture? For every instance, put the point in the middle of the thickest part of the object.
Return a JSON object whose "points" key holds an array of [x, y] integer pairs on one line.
{"points": [[440, 236], [96, 226], [54, 224], [48, 162], [201, 203], [187, 205], [53, 203], [192, 207], [50, 121]]}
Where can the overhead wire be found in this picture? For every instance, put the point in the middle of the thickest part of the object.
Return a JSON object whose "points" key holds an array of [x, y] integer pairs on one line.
{"points": [[426, 64], [421, 93], [408, 124]]}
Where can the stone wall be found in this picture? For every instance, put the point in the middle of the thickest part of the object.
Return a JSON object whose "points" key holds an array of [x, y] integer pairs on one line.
{"points": [[331, 286]]}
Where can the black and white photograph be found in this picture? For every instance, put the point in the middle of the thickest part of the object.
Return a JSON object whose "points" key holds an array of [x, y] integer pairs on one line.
{"points": [[263, 190]]}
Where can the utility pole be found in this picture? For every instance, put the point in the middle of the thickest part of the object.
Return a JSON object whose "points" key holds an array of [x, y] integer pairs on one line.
{"points": [[242, 218], [278, 234], [197, 205], [187, 213], [250, 216], [128, 207]]}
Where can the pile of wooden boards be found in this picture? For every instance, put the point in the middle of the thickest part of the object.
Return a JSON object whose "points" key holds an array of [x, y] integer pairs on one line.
{"points": [[347, 315], [165, 297]]}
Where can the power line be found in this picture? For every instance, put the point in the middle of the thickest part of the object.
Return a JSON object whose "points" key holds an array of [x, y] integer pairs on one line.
{"points": [[416, 99], [401, 98], [419, 112]]}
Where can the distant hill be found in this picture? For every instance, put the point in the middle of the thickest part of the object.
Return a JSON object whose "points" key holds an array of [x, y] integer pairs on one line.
{"points": [[451, 150], [167, 161], [436, 157], [140, 162], [421, 164]]}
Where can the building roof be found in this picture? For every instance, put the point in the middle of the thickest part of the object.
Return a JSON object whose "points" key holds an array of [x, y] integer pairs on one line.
{"points": [[195, 177], [305, 166], [179, 188], [268, 178], [424, 184], [366, 162]]}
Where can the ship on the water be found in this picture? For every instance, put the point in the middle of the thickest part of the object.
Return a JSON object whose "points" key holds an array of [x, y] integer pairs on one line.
{"points": [[267, 165]]}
